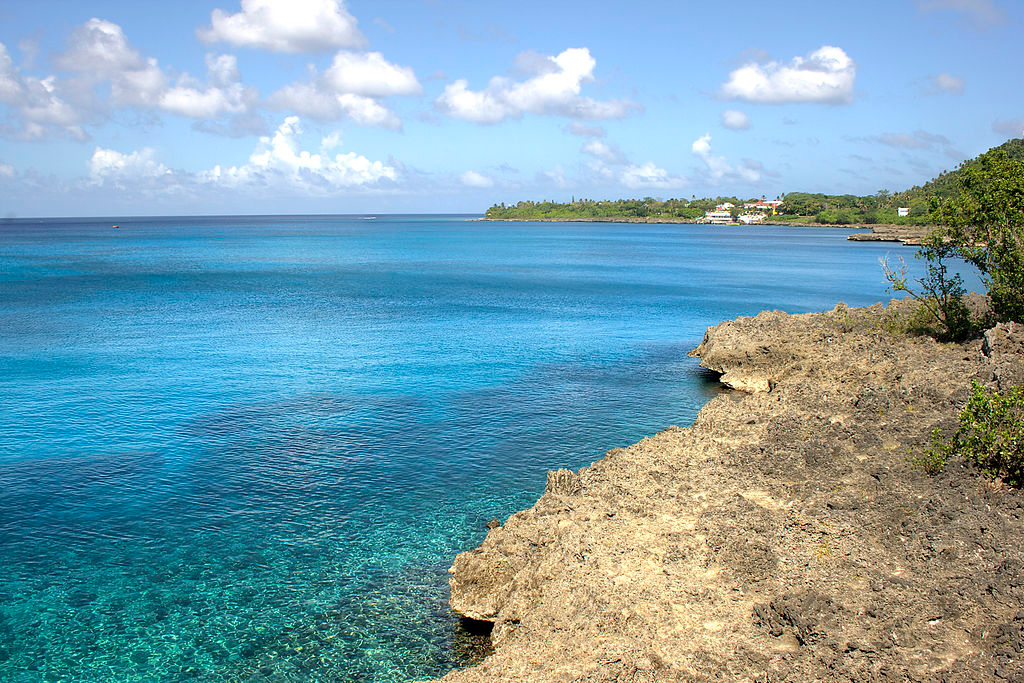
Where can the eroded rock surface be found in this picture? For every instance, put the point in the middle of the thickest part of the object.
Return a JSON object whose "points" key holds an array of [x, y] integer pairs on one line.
{"points": [[785, 536]]}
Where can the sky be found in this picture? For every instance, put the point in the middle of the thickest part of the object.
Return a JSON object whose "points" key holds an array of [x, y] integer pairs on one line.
{"points": [[118, 108]]}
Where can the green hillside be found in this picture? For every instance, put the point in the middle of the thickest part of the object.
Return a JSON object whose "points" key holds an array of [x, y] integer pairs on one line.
{"points": [[797, 207]]}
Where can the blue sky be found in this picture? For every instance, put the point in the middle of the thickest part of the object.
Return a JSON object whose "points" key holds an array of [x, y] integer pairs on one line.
{"points": [[331, 106]]}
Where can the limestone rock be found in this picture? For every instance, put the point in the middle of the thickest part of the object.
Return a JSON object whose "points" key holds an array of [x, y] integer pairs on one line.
{"points": [[784, 536]]}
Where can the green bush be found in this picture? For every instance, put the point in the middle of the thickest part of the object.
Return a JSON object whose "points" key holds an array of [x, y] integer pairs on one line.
{"points": [[991, 433], [933, 458]]}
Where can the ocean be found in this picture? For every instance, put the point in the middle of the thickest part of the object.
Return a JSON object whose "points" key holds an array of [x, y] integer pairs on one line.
{"points": [[248, 448]]}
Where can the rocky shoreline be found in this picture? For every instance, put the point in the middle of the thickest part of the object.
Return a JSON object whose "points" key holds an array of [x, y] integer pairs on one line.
{"points": [[784, 536], [910, 235]]}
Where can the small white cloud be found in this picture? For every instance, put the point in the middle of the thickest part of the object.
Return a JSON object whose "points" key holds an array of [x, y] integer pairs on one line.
{"points": [[350, 88], [607, 152], [735, 120], [291, 26], [950, 84], [474, 179], [7, 171], [585, 131], [384, 25], [371, 75], [982, 11], [224, 95], [648, 175], [108, 166], [1013, 128], [279, 162], [322, 105], [553, 88], [99, 50], [825, 76], [719, 168]]}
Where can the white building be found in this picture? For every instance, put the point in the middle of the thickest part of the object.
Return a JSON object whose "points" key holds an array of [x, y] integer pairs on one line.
{"points": [[718, 217], [903, 211]]}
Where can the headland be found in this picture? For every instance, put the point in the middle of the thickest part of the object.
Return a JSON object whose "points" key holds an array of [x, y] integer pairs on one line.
{"points": [[785, 535]]}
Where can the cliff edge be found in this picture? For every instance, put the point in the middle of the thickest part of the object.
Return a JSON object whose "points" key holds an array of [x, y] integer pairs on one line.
{"points": [[785, 536]]}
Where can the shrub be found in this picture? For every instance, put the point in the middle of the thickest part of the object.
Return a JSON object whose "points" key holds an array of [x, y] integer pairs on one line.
{"points": [[991, 433], [933, 458], [941, 295]]}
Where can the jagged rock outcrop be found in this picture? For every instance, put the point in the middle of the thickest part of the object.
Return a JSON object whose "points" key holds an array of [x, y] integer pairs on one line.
{"points": [[910, 235], [785, 536]]}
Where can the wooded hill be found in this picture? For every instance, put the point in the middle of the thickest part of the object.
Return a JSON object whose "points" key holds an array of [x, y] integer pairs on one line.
{"points": [[797, 207]]}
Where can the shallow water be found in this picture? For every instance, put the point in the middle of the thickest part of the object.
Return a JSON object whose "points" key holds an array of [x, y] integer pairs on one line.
{"points": [[248, 448]]}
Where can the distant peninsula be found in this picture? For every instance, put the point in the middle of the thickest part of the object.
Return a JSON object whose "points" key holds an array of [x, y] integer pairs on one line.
{"points": [[912, 207]]}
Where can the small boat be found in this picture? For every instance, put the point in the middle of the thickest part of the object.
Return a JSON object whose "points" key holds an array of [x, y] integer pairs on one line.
{"points": [[116, 227]]}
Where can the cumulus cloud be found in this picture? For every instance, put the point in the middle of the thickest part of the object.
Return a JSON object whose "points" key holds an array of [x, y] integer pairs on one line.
{"points": [[291, 26], [371, 75], [350, 88], [607, 152], [99, 51], [225, 93], [585, 131], [1013, 128], [474, 179], [7, 171], [552, 87], [719, 168], [982, 11], [110, 167], [735, 120], [825, 76], [39, 106], [947, 83], [648, 175], [279, 162]]}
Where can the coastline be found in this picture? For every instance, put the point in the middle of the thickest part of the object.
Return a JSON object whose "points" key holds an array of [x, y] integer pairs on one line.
{"points": [[784, 534], [909, 235]]}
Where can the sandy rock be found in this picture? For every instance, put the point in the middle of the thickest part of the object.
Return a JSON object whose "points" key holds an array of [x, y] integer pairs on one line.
{"points": [[785, 536]]}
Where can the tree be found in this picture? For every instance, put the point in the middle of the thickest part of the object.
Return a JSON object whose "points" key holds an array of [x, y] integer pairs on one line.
{"points": [[941, 295], [985, 220]]}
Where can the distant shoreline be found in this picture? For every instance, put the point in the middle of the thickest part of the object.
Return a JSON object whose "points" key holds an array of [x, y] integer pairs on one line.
{"points": [[909, 235]]}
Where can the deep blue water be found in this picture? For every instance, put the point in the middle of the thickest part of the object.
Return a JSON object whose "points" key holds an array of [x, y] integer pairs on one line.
{"points": [[249, 448]]}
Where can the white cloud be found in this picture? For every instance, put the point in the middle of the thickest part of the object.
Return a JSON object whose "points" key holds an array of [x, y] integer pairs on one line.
{"points": [[824, 76], [99, 51], [279, 163], [108, 166], [225, 93], [982, 11], [7, 171], [607, 152], [474, 179], [648, 175], [947, 83], [286, 26], [40, 107], [309, 100], [1013, 128], [583, 130], [350, 88], [735, 120], [918, 140], [719, 168], [371, 75], [553, 88]]}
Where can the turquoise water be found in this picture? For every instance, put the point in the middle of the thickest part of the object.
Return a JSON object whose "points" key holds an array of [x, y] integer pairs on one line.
{"points": [[248, 448]]}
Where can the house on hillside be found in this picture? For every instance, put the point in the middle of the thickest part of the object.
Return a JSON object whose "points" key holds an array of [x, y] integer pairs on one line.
{"points": [[903, 211]]}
